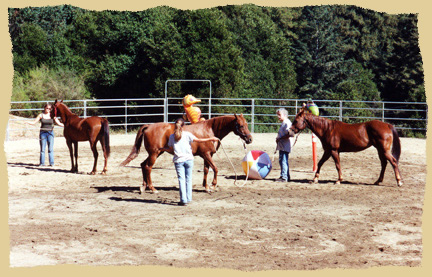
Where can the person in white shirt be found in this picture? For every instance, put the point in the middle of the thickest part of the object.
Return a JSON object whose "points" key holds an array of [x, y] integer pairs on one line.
{"points": [[179, 144], [283, 145]]}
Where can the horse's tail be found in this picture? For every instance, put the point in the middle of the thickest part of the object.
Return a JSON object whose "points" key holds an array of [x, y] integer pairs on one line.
{"points": [[105, 127], [137, 146], [396, 148]]}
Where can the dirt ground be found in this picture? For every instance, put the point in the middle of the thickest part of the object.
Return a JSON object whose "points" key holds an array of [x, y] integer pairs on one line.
{"points": [[56, 217]]}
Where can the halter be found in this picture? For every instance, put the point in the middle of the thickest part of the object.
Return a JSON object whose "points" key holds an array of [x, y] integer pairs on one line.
{"points": [[237, 128]]}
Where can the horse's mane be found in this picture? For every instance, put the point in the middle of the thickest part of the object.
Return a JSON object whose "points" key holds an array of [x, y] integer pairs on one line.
{"points": [[66, 108], [67, 113], [217, 123], [319, 122]]}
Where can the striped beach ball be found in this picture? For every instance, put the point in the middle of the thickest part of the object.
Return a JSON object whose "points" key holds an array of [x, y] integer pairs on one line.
{"points": [[257, 164]]}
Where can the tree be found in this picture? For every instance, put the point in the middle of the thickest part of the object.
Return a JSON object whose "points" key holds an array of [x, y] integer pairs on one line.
{"points": [[266, 51], [211, 51]]}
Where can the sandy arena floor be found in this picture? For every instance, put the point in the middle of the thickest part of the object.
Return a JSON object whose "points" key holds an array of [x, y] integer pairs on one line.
{"points": [[56, 217]]}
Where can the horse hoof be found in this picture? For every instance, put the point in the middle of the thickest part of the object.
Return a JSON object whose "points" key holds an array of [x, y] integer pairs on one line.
{"points": [[337, 183], [315, 181], [154, 192], [400, 183]]}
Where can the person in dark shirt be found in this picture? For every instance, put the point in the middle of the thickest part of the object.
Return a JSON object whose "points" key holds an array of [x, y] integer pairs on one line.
{"points": [[46, 134]]}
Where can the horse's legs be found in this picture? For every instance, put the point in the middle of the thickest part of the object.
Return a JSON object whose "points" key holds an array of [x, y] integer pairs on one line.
{"points": [[95, 155], [383, 160], [208, 161], [69, 145], [144, 184], [206, 170], [75, 144], [105, 169], [336, 158], [395, 165], [323, 159], [146, 168]]}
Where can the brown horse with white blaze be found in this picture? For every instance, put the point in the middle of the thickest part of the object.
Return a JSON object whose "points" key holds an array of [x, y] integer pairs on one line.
{"points": [[337, 136], [92, 129], [156, 137]]}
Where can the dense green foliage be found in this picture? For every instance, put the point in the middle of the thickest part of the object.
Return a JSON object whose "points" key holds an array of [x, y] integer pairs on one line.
{"points": [[247, 51]]}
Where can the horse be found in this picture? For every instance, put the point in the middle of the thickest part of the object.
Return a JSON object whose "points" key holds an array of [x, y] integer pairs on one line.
{"points": [[156, 136], [337, 137], [92, 129]]}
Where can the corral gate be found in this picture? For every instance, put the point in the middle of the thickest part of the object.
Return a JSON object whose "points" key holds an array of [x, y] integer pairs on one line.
{"points": [[185, 80]]}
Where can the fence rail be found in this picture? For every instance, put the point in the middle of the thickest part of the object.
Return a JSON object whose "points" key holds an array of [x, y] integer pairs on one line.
{"points": [[129, 114]]}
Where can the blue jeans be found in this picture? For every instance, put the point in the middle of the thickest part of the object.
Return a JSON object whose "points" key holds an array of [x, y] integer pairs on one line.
{"points": [[184, 174], [44, 138], [284, 165]]}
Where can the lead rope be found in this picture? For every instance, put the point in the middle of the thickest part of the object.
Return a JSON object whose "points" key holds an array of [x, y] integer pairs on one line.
{"points": [[247, 173], [298, 134], [235, 172], [244, 147]]}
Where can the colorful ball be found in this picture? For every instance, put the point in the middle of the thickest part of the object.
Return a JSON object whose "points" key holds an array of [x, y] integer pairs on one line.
{"points": [[256, 164]]}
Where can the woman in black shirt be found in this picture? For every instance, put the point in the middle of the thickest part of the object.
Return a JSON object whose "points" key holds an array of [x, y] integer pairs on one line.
{"points": [[46, 134]]}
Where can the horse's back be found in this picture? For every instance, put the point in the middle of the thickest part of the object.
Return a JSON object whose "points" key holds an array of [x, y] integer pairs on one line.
{"points": [[156, 135], [82, 129], [379, 131], [200, 129]]}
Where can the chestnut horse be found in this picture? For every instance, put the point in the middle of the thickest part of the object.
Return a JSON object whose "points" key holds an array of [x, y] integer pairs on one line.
{"points": [[76, 129], [337, 136], [156, 137]]}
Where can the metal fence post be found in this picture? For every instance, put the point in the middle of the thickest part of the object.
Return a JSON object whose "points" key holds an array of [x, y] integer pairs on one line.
{"points": [[340, 110], [383, 111], [85, 108], [253, 115], [210, 107], [126, 116], [165, 110]]}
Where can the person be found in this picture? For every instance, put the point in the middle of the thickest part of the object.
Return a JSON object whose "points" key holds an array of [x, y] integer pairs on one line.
{"points": [[311, 107], [179, 144], [283, 142], [46, 134]]}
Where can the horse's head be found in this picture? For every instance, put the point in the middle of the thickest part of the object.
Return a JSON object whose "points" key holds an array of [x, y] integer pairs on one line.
{"points": [[241, 128], [54, 108], [299, 122]]}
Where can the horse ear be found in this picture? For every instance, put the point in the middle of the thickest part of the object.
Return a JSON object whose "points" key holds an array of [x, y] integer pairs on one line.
{"points": [[304, 108], [55, 101]]}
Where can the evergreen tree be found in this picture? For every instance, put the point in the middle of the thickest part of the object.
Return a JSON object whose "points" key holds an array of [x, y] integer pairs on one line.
{"points": [[269, 67]]}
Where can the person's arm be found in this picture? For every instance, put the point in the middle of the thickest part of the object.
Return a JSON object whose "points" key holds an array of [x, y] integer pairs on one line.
{"points": [[283, 137], [58, 122], [37, 119], [287, 133], [167, 149], [205, 139]]}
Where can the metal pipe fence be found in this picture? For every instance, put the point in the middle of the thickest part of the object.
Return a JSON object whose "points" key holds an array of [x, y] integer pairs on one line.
{"points": [[129, 114]]}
